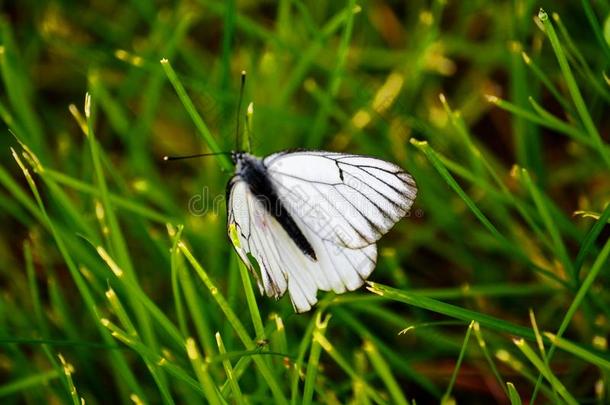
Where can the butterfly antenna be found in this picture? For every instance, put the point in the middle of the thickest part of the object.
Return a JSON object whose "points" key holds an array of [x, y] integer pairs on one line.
{"points": [[168, 158], [241, 95]]}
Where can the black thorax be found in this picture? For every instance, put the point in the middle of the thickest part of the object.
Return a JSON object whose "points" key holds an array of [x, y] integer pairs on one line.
{"points": [[254, 173]]}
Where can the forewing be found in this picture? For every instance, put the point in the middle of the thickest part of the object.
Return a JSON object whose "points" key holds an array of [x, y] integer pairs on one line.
{"points": [[283, 266], [349, 200], [255, 238]]}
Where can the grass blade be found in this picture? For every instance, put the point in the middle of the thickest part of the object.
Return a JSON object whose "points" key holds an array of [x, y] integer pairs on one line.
{"points": [[545, 371], [577, 98], [237, 395], [431, 155], [483, 345], [586, 284], [314, 358], [450, 310], [587, 243], [578, 351], [385, 373], [201, 370], [235, 322], [513, 395], [447, 396]]}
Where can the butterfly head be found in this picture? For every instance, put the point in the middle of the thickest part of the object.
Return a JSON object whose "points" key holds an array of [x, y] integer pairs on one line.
{"points": [[242, 160], [237, 156]]}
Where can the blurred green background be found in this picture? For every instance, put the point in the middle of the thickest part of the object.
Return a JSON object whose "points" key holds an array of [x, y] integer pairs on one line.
{"points": [[110, 258]]}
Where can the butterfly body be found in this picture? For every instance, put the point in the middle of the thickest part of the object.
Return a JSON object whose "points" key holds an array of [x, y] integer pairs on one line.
{"points": [[311, 219], [252, 170]]}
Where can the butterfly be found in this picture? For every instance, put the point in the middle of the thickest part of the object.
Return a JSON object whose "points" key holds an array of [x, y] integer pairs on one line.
{"points": [[311, 219], [308, 220]]}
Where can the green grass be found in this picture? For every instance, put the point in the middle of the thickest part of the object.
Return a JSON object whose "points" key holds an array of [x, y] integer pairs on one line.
{"points": [[118, 286]]}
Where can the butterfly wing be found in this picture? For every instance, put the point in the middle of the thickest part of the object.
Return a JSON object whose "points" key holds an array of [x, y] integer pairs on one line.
{"points": [[282, 265], [348, 200]]}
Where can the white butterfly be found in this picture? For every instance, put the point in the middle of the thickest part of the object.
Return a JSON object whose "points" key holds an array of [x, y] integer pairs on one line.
{"points": [[311, 218]]}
